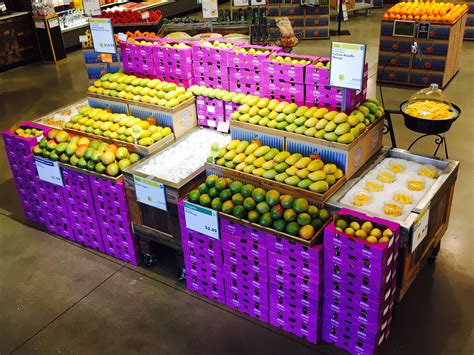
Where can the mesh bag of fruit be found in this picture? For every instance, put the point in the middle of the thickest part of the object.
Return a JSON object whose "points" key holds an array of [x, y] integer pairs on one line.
{"points": [[288, 38]]}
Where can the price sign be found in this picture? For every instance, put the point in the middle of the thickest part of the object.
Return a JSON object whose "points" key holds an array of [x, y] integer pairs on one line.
{"points": [[150, 193], [347, 65], [49, 171], [145, 15], [420, 228], [83, 38], [102, 35], [201, 219], [91, 7], [209, 9], [223, 127]]}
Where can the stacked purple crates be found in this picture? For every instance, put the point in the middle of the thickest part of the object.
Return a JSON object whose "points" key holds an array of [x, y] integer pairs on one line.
{"points": [[295, 273], [229, 108], [284, 81], [110, 202], [19, 154], [210, 111], [56, 210], [245, 69], [138, 59], [174, 63], [203, 262], [359, 286], [319, 93], [211, 65], [82, 210], [245, 269]]}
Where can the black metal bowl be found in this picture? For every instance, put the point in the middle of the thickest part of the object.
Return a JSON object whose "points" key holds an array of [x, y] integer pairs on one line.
{"points": [[422, 125]]}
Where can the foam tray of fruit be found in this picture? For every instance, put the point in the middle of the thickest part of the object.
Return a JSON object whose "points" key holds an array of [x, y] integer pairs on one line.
{"points": [[280, 215], [297, 121], [153, 93], [85, 155], [118, 128], [307, 177]]}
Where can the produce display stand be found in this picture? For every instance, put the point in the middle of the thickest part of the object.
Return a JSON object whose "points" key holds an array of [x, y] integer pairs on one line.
{"points": [[437, 201], [440, 57], [469, 32]]}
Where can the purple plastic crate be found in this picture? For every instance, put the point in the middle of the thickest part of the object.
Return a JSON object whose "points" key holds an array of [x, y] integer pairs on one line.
{"points": [[238, 247], [110, 202], [243, 87], [352, 340], [283, 95], [199, 245], [215, 291], [206, 261], [241, 272], [293, 249], [211, 71], [203, 272], [253, 308], [251, 76], [246, 288], [300, 303], [292, 281], [367, 311], [243, 261], [286, 71], [210, 111], [357, 289], [298, 327], [300, 266], [247, 60], [229, 108], [232, 228], [83, 216], [212, 54], [317, 75]]}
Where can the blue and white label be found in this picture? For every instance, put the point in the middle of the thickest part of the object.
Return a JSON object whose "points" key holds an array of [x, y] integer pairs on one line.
{"points": [[201, 219], [151, 193], [49, 171]]}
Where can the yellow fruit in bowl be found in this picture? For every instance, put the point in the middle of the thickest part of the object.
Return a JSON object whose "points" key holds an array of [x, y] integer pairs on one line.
{"points": [[430, 110], [428, 171], [374, 186], [396, 168], [416, 184], [392, 209], [403, 198], [386, 177], [362, 198]]}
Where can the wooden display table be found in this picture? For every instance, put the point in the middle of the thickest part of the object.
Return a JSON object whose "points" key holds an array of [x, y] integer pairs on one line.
{"points": [[440, 59]]}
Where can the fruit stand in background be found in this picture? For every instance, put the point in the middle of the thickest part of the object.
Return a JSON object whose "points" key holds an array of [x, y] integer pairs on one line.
{"points": [[440, 52]]}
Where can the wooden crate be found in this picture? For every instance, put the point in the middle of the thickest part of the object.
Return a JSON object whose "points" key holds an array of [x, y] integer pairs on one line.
{"points": [[349, 157], [141, 149], [447, 37], [267, 184], [181, 118]]}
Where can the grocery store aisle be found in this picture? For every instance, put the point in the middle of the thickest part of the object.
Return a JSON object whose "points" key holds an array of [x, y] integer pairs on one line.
{"points": [[58, 297]]}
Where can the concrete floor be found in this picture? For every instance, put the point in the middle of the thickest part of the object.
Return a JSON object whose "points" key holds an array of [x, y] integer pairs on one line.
{"points": [[56, 297]]}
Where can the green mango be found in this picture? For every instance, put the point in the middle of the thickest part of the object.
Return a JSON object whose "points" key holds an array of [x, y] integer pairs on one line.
{"points": [[281, 177], [332, 137], [264, 121], [300, 130], [281, 167], [317, 175], [292, 159], [341, 117], [321, 124], [272, 124], [311, 122], [241, 147], [310, 132], [269, 174], [319, 186], [280, 157], [291, 127], [346, 138], [272, 154], [331, 126], [300, 121], [261, 151], [292, 180], [304, 184], [342, 128], [282, 125], [290, 118]]}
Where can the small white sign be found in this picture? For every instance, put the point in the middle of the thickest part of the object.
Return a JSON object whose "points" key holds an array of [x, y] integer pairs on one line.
{"points": [[211, 123], [151, 193], [223, 126], [145, 15], [83, 38], [40, 24], [49, 171], [201, 219], [122, 37], [53, 22], [241, 2], [102, 35], [347, 65], [211, 109], [209, 9], [420, 228], [345, 16], [91, 7]]}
